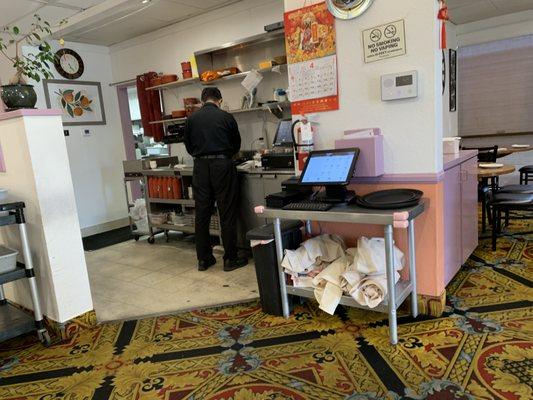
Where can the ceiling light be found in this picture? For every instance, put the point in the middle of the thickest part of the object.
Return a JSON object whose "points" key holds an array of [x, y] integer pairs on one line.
{"points": [[145, 1]]}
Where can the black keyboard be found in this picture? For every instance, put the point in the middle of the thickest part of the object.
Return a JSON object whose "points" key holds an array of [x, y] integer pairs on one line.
{"points": [[308, 206]]}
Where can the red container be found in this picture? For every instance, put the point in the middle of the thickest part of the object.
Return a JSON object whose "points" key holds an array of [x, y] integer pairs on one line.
{"points": [[186, 69], [176, 188]]}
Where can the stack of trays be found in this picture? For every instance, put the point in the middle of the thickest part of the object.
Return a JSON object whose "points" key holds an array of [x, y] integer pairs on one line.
{"points": [[390, 199]]}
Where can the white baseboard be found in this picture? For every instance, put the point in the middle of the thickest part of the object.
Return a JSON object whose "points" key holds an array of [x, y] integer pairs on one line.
{"points": [[106, 226]]}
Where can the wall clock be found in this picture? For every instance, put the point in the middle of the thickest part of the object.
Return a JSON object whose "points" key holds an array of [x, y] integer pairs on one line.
{"points": [[69, 64], [348, 9]]}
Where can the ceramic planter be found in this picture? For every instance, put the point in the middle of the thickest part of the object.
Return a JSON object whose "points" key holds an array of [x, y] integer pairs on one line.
{"points": [[18, 96]]}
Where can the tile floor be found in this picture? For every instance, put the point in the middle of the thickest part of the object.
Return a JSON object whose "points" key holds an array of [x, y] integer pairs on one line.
{"points": [[135, 279]]}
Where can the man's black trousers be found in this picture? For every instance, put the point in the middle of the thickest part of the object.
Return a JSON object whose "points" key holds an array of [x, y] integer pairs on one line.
{"points": [[216, 180]]}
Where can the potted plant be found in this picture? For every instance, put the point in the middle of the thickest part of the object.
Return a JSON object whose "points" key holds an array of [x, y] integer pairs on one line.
{"points": [[36, 64]]}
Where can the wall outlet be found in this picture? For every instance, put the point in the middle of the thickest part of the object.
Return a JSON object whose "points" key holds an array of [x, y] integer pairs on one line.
{"points": [[66, 132], [86, 132]]}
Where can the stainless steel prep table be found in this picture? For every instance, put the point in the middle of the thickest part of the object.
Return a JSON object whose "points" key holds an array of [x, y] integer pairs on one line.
{"points": [[397, 293]]}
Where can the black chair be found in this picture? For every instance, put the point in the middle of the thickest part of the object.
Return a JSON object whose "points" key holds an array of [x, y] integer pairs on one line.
{"points": [[515, 189], [486, 185], [504, 203], [526, 174]]}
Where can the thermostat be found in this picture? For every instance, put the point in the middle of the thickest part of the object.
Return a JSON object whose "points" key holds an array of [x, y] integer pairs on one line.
{"points": [[403, 85]]}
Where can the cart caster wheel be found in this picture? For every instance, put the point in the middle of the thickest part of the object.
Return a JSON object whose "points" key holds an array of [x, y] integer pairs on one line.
{"points": [[151, 240], [137, 237], [44, 337]]}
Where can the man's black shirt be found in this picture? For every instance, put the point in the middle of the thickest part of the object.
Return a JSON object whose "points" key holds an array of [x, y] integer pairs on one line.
{"points": [[210, 131]]}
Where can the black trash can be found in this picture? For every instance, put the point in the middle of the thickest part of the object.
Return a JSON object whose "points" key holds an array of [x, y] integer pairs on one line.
{"points": [[266, 262]]}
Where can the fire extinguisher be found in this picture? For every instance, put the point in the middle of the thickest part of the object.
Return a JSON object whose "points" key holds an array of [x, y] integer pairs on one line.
{"points": [[303, 139]]}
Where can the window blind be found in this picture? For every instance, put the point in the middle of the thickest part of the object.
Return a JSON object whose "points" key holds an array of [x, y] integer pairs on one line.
{"points": [[496, 87]]}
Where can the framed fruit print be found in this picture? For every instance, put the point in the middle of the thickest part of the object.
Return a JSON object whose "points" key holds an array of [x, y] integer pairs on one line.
{"points": [[81, 102], [69, 64]]}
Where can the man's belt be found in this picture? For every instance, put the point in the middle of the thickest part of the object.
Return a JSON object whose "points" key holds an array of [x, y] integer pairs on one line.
{"points": [[213, 156]]}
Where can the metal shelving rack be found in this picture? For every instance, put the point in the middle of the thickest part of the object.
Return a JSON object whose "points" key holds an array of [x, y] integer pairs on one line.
{"points": [[154, 203], [13, 321], [388, 219]]}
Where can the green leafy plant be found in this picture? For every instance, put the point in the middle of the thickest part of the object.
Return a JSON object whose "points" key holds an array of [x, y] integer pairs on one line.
{"points": [[35, 64]]}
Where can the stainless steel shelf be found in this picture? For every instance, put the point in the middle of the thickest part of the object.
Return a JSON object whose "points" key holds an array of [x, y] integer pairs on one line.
{"points": [[167, 121], [348, 213], [184, 202], [403, 290], [172, 85], [244, 74], [183, 228]]}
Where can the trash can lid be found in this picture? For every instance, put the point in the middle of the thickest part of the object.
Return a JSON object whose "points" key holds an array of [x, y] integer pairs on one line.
{"points": [[266, 232]]}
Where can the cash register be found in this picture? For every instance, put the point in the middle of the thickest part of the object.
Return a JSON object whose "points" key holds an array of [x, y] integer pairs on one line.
{"points": [[332, 169], [282, 155]]}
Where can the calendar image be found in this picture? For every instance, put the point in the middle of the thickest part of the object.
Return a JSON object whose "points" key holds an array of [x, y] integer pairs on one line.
{"points": [[309, 33], [312, 59]]}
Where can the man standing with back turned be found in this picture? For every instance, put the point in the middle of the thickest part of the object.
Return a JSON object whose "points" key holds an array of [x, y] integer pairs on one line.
{"points": [[212, 137]]}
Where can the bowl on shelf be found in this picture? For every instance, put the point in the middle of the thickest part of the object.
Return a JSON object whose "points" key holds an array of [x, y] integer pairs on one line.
{"points": [[168, 78], [179, 114], [156, 81]]}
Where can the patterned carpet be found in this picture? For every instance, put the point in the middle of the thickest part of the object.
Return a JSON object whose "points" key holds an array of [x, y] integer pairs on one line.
{"points": [[482, 348]]}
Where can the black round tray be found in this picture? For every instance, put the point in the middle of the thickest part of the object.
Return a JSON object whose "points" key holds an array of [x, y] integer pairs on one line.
{"points": [[389, 199]]}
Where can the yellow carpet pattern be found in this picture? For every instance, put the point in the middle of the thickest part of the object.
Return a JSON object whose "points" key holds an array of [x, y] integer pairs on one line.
{"points": [[482, 348]]}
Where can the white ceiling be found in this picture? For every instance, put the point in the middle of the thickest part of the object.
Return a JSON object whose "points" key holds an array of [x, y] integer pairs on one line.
{"points": [[20, 12], [126, 19], [464, 11], [122, 20]]}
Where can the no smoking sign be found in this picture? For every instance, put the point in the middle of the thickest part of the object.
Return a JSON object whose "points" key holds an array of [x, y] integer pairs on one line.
{"points": [[384, 41]]}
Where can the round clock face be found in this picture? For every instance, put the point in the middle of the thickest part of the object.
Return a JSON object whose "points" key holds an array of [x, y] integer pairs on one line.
{"points": [[348, 9], [69, 64]]}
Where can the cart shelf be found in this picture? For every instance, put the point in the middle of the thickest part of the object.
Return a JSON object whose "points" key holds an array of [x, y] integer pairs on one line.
{"points": [[403, 290], [14, 322], [184, 202], [183, 228], [7, 220], [15, 275]]}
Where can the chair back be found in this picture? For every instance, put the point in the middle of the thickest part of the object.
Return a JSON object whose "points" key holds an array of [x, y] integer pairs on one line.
{"points": [[485, 154]]}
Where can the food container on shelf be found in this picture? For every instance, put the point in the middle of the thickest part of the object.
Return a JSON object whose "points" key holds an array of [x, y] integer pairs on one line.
{"points": [[156, 81], [451, 145], [8, 259], [158, 218], [169, 78], [179, 114], [186, 69]]}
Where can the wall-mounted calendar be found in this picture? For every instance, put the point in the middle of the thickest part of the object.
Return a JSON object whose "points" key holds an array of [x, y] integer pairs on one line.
{"points": [[312, 58]]}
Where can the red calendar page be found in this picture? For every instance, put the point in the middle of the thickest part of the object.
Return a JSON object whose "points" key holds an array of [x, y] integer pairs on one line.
{"points": [[311, 55]]}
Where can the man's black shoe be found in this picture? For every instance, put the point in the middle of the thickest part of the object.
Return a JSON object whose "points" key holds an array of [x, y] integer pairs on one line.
{"points": [[231, 265], [204, 264]]}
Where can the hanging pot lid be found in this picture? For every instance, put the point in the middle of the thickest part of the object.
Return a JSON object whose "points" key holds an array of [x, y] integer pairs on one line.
{"points": [[348, 9]]}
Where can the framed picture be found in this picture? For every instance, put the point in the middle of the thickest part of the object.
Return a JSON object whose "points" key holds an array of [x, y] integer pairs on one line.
{"points": [[81, 102], [453, 80]]}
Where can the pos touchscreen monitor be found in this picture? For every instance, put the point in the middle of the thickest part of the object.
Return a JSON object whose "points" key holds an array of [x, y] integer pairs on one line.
{"points": [[329, 167]]}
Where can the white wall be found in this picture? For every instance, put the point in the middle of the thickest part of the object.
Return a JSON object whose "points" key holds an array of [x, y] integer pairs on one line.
{"points": [[498, 28], [42, 179], [96, 160], [412, 128], [164, 50], [450, 119]]}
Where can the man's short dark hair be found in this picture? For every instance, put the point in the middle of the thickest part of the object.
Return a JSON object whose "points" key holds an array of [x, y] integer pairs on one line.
{"points": [[211, 93]]}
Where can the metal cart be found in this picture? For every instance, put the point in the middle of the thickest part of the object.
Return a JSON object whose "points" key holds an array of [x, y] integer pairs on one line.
{"points": [[153, 204], [13, 321], [389, 219], [128, 179]]}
